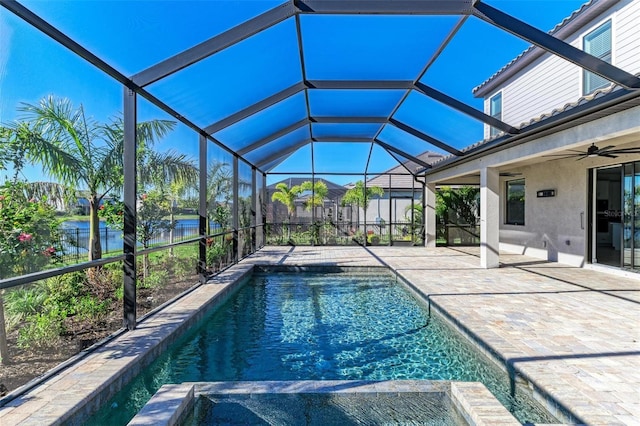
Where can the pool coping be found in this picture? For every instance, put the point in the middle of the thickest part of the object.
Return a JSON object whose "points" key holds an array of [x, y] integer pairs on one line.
{"points": [[517, 377], [472, 400], [74, 394]]}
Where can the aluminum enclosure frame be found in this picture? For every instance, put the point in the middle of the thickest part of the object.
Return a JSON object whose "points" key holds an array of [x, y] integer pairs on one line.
{"points": [[135, 86]]}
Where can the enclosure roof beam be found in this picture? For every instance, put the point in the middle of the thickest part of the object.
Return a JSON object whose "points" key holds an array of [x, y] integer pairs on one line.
{"points": [[555, 46], [273, 136], [359, 84], [341, 139], [433, 141], [214, 45], [400, 162], [377, 7], [349, 119], [275, 163], [282, 153], [255, 108], [55, 34], [403, 154], [299, 87], [464, 108]]}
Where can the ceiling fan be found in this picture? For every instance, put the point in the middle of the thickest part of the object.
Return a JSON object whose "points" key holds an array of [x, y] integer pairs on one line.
{"points": [[594, 151]]}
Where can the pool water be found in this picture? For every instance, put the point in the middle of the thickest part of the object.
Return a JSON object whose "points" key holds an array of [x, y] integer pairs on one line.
{"points": [[432, 409], [315, 326]]}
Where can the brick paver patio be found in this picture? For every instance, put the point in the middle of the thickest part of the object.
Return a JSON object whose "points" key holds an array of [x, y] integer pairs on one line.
{"points": [[572, 332]]}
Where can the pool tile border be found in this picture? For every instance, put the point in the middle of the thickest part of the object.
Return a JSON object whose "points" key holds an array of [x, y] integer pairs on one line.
{"points": [[518, 377], [473, 401]]}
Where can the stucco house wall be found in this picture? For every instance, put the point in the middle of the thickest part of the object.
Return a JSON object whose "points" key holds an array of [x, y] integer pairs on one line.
{"points": [[554, 227]]}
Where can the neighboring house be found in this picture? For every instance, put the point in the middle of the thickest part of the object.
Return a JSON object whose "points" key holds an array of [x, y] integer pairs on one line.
{"points": [[569, 189], [400, 190], [278, 213]]}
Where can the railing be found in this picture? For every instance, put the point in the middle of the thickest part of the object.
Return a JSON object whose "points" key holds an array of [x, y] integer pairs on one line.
{"points": [[63, 310], [349, 233], [343, 233], [74, 242], [459, 235]]}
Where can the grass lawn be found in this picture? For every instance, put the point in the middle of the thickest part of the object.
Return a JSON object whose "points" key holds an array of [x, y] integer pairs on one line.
{"points": [[80, 217]]}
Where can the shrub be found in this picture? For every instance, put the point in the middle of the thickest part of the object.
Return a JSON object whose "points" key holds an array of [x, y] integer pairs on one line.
{"points": [[23, 302], [156, 279], [43, 329]]}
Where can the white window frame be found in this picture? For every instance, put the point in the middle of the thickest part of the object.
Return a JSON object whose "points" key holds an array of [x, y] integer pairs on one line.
{"points": [[494, 131], [584, 73]]}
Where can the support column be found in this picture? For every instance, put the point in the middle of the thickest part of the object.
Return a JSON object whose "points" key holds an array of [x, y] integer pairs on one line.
{"points": [[263, 209], [130, 214], [429, 212], [203, 229], [489, 217], [234, 211], [254, 210]]}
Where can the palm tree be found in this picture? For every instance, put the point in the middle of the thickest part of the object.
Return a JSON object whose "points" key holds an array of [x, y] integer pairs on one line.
{"points": [[287, 196], [219, 194], [79, 151], [318, 190], [361, 197]]}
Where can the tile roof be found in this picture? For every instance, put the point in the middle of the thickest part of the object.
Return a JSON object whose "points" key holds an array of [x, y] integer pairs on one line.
{"points": [[531, 48]]}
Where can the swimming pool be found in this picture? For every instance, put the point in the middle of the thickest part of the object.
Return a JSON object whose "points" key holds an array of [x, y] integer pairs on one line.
{"points": [[318, 326]]}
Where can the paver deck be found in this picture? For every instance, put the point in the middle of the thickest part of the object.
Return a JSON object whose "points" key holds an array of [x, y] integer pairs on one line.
{"points": [[572, 332]]}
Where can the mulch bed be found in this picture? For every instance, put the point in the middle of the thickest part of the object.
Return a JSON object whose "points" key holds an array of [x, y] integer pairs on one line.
{"points": [[29, 363]]}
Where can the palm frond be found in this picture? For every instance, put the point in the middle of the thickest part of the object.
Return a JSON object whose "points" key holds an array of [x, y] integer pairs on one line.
{"points": [[55, 193], [164, 168], [53, 157]]}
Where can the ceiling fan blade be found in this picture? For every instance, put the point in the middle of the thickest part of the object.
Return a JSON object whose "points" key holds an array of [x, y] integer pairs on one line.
{"points": [[606, 148], [608, 155], [625, 151], [582, 157]]}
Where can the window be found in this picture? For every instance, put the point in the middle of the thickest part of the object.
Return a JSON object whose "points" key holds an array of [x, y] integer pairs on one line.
{"points": [[495, 111], [515, 202], [598, 44]]}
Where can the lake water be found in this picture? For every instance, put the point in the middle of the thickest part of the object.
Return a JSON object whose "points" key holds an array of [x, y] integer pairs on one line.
{"points": [[76, 235]]}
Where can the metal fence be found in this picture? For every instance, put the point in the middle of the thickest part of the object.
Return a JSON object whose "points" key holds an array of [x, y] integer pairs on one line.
{"points": [[454, 234], [344, 233], [74, 242], [349, 233]]}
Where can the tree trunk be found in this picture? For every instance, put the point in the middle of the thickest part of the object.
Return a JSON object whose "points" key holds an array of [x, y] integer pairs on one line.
{"points": [[95, 248], [4, 348], [171, 235]]}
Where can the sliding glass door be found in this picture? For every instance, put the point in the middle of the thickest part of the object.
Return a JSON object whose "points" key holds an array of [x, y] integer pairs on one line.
{"points": [[631, 216]]}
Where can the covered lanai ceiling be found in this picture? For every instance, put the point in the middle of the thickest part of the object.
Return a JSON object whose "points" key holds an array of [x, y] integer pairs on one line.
{"points": [[293, 81]]}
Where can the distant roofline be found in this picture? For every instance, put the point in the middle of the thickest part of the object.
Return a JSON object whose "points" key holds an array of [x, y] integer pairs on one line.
{"points": [[570, 25]]}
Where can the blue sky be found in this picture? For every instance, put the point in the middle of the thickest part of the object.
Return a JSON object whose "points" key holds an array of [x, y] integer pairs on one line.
{"points": [[133, 35]]}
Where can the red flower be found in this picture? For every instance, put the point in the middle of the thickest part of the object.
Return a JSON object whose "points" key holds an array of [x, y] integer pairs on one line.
{"points": [[2, 197], [24, 237], [101, 207], [49, 251]]}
